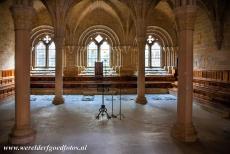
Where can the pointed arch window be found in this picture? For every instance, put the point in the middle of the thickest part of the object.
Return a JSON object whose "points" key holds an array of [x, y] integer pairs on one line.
{"points": [[152, 53], [52, 55], [40, 54], [92, 54], [156, 55], [105, 53], [98, 50], [45, 53]]}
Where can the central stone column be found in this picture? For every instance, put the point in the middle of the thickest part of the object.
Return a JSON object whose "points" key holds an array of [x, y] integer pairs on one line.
{"points": [[58, 99], [183, 129], [140, 36], [141, 99], [22, 132]]}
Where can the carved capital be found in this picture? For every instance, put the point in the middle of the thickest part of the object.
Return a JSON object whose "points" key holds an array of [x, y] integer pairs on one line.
{"points": [[141, 41], [59, 41], [22, 16], [186, 17], [70, 49], [140, 27]]}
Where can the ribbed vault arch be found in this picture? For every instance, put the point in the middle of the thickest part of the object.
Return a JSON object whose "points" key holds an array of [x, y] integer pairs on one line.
{"points": [[162, 35], [103, 30], [39, 32]]}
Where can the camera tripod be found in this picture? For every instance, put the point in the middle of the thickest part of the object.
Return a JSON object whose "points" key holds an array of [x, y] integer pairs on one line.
{"points": [[103, 109]]}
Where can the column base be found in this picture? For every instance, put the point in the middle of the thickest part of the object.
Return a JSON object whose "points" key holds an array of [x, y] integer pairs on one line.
{"points": [[141, 100], [184, 133], [22, 136], [58, 100]]}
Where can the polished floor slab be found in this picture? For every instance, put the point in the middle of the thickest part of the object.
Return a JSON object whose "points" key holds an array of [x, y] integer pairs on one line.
{"points": [[141, 130]]}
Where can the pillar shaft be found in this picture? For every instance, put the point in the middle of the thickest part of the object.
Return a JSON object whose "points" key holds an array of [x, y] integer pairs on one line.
{"points": [[165, 58], [140, 35], [22, 133], [141, 71], [58, 99], [184, 129], [162, 58]]}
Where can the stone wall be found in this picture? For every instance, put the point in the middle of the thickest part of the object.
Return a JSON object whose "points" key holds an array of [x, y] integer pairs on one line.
{"points": [[6, 37], [206, 54]]}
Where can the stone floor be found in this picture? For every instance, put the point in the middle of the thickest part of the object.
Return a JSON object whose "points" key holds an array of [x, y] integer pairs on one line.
{"points": [[142, 130]]}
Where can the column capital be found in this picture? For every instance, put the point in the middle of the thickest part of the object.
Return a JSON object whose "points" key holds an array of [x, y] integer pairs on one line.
{"points": [[140, 41], [59, 40], [186, 17], [140, 27], [22, 16]]}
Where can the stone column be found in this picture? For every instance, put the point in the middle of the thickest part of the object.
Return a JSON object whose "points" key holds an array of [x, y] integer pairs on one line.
{"points": [[22, 132], [114, 58], [80, 56], [173, 56], [183, 129], [118, 58], [141, 99], [169, 52], [169, 56], [162, 58], [84, 53], [58, 99], [165, 57]]}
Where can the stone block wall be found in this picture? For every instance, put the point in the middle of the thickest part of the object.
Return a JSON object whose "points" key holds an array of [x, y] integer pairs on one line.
{"points": [[6, 37], [206, 54]]}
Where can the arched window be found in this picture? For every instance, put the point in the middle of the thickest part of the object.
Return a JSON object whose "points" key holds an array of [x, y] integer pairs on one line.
{"points": [[152, 53], [98, 50], [52, 55], [146, 55], [92, 54], [156, 55], [105, 53], [45, 53], [40, 54]]}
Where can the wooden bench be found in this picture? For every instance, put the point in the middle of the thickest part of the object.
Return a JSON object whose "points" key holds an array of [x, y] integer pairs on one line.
{"points": [[6, 83], [212, 90], [6, 87]]}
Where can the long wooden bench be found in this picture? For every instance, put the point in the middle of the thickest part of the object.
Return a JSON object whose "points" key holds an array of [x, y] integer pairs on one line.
{"points": [[85, 83], [6, 83], [212, 90], [6, 87], [212, 94]]}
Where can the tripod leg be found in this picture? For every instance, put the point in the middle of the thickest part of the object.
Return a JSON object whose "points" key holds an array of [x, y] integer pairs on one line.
{"points": [[97, 117], [108, 117]]}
